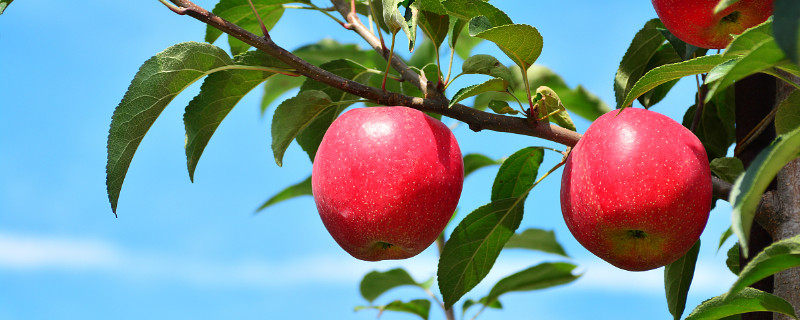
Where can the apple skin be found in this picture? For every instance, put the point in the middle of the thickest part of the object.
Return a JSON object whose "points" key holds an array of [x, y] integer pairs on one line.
{"points": [[694, 21], [636, 189], [386, 180]]}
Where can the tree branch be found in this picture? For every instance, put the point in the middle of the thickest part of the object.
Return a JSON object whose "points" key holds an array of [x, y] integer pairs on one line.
{"points": [[476, 119]]}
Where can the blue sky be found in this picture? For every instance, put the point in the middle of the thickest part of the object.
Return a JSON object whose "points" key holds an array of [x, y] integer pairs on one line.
{"points": [[196, 250]]}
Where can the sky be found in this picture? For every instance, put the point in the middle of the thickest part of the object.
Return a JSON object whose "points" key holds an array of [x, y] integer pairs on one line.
{"points": [[197, 250]]}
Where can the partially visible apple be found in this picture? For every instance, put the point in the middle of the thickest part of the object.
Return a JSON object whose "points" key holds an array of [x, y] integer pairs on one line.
{"points": [[636, 189], [386, 180], [694, 21]]}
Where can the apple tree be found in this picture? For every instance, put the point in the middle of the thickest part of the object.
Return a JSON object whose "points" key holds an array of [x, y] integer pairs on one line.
{"points": [[745, 100]]}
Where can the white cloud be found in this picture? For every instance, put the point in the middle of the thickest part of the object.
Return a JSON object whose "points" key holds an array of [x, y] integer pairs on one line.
{"points": [[36, 253]]}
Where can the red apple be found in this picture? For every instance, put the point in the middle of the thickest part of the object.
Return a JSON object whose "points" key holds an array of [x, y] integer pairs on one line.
{"points": [[694, 21], [386, 180], [636, 189]]}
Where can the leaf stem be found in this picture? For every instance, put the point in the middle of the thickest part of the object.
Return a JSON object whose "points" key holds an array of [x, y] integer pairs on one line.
{"points": [[388, 63], [258, 17]]}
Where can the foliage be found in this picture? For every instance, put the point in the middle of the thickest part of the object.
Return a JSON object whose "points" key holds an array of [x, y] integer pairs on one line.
{"points": [[652, 64]]}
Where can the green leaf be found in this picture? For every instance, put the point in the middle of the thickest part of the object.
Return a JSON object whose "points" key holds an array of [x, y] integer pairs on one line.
{"points": [[716, 129], [747, 300], [376, 283], [578, 100], [727, 168], [475, 161], [779, 256], [725, 235], [311, 136], [240, 13], [156, 83], [469, 303], [677, 280], [501, 107], [301, 189], [397, 21], [548, 102], [684, 50], [787, 118], [746, 193], [457, 34], [536, 239], [434, 26], [749, 39], [665, 55], [634, 63], [419, 307], [474, 245], [520, 42], [294, 115], [434, 6], [494, 84], [488, 65], [786, 27], [669, 72], [723, 4], [4, 4], [541, 276], [277, 86], [763, 55], [517, 173], [733, 259], [328, 50], [220, 92], [468, 9]]}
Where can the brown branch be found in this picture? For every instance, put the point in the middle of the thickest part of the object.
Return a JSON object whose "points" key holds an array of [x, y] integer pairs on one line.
{"points": [[476, 119]]}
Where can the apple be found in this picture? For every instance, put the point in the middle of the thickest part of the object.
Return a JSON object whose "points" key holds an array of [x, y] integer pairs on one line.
{"points": [[694, 21], [636, 189], [386, 180]]}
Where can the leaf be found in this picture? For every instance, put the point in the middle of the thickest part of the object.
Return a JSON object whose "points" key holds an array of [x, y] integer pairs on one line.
{"points": [[311, 136], [544, 275], [733, 259], [328, 50], [4, 4], [434, 6], [468, 9], [725, 235], [763, 55], [419, 307], [777, 257], [548, 102], [536, 239], [684, 50], [397, 21], [488, 65], [517, 173], [376, 283], [665, 55], [469, 303], [474, 245], [727, 168], [475, 161], [457, 34], [749, 39], [301, 189], [787, 118], [294, 115], [578, 100], [434, 26], [156, 83], [716, 129], [520, 42], [634, 63], [723, 4], [786, 28], [748, 188], [220, 92], [677, 280], [240, 13], [747, 300], [669, 72], [494, 84], [501, 107]]}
